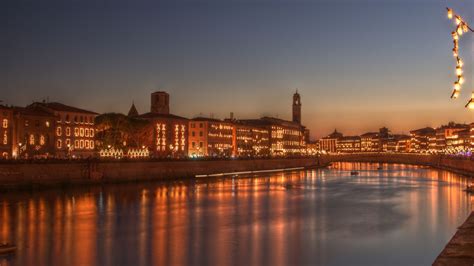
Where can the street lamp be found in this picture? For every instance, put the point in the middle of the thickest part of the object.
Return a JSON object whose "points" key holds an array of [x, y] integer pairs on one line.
{"points": [[461, 28]]}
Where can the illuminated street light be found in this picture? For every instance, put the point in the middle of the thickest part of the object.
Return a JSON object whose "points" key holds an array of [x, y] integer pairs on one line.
{"points": [[461, 28]]}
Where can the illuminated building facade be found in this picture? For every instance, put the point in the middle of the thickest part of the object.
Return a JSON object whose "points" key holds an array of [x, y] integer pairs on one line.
{"points": [[6, 132], [74, 129], [329, 143], [250, 141], [369, 142], [420, 140], [210, 137], [33, 133], [460, 143], [445, 136], [285, 137], [348, 144]]}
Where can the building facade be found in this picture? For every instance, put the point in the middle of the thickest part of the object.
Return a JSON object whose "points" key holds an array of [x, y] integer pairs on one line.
{"points": [[6, 132], [210, 137]]}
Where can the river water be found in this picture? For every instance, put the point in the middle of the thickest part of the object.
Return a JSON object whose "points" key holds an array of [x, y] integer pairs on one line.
{"points": [[400, 215]]}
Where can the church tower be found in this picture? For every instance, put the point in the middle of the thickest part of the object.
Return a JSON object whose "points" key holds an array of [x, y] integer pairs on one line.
{"points": [[160, 103], [296, 108]]}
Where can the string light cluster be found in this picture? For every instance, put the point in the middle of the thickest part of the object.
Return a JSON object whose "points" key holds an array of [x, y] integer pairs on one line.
{"points": [[461, 28]]}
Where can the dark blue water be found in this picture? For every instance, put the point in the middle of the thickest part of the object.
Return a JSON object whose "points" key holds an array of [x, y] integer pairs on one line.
{"points": [[401, 215]]}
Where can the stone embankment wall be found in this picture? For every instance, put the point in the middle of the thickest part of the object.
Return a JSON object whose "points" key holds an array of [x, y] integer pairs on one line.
{"points": [[69, 173]]}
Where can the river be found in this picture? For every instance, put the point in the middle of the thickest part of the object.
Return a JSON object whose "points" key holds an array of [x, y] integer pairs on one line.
{"points": [[399, 215]]}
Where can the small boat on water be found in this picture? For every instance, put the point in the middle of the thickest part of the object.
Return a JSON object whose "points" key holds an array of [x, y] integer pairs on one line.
{"points": [[354, 173], [7, 248]]}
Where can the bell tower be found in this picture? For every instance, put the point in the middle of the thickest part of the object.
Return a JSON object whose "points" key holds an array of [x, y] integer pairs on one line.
{"points": [[160, 102], [296, 108]]}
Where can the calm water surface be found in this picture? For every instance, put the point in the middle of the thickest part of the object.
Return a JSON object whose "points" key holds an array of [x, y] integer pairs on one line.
{"points": [[401, 215]]}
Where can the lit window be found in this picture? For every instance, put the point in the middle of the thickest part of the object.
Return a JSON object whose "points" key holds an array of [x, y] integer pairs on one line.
{"points": [[81, 144], [81, 132], [59, 144], [91, 132], [47, 123], [68, 131], [32, 139], [92, 144], [5, 123], [42, 140], [76, 132], [59, 131], [87, 144], [5, 138], [68, 143], [76, 144], [86, 132]]}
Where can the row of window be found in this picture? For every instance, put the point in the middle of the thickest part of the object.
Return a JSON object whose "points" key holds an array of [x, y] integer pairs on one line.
{"points": [[78, 132], [78, 144], [79, 119], [37, 123]]}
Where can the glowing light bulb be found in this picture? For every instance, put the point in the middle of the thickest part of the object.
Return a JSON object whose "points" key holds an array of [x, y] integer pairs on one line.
{"points": [[458, 21], [457, 86], [460, 63], [461, 80], [465, 28], [450, 13], [460, 30], [458, 71], [455, 52], [455, 35], [470, 104]]}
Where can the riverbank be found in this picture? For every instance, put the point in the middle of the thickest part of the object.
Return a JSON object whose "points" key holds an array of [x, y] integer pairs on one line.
{"points": [[460, 249], [69, 173]]}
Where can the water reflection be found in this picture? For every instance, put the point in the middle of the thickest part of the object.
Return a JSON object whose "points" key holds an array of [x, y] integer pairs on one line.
{"points": [[393, 215]]}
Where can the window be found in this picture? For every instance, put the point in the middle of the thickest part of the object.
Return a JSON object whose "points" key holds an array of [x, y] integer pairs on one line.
{"points": [[76, 132], [81, 132], [193, 133], [68, 131], [193, 144], [75, 118], [32, 139], [5, 138], [201, 144], [81, 144], [82, 119], [27, 123], [76, 144], [200, 134], [42, 140], [200, 125], [5, 123], [87, 132], [47, 124], [59, 131], [67, 118], [59, 144], [87, 144], [92, 144], [68, 143], [91, 132]]}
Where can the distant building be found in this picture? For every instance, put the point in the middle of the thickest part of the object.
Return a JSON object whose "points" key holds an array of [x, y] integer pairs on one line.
{"points": [[74, 129], [348, 144], [369, 142], [133, 112], [445, 135], [210, 138], [420, 140], [169, 133], [329, 143], [6, 132], [33, 134], [160, 103], [250, 141]]}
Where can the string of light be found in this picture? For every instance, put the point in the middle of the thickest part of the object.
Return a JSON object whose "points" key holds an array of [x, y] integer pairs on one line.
{"points": [[461, 28]]}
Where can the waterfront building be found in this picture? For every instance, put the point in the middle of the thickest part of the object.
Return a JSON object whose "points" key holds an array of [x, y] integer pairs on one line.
{"points": [[250, 141], [297, 108], [445, 135], [168, 133], [312, 147], [369, 142], [6, 132], [460, 142], [348, 144], [421, 139], [210, 137], [74, 129], [329, 143], [33, 132]]}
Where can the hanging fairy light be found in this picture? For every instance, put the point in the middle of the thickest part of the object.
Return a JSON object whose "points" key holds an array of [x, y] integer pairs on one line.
{"points": [[461, 28]]}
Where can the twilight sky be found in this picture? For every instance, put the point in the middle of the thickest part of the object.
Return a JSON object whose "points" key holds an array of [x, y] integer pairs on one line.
{"points": [[358, 64]]}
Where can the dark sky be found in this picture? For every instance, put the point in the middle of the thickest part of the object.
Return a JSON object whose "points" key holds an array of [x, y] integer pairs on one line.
{"points": [[358, 64]]}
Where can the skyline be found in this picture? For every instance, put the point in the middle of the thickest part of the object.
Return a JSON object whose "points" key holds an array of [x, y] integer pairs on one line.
{"points": [[371, 55]]}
